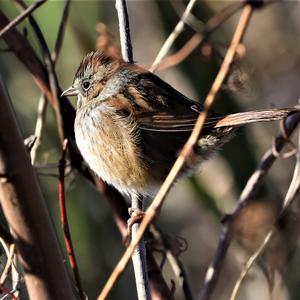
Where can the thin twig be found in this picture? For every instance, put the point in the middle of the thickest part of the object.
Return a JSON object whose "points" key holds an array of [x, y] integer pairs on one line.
{"points": [[151, 212], [65, 223], [9, 262], [39, 126], [21, 16], [172, 37], [125, 40], [291, 194], [247, 194], [61, 31]]}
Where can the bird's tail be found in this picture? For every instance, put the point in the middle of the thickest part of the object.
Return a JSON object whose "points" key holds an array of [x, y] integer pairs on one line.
{"points": [[239, 119]]}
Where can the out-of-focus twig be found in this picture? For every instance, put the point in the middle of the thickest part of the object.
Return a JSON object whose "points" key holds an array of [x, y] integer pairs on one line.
{"points": [[41, 115], [61, 31], [21, 17], [153, 209], [53, 81], [64, 220], [172, 37], [198, 38], [42, 106], [174, 261], [247, 194], [291, 194]]}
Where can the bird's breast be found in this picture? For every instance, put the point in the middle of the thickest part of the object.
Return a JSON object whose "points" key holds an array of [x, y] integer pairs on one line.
{"points": [[108, 142]]}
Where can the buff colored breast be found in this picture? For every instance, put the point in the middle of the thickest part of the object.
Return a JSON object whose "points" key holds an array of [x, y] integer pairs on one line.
{"points": [[104, 139]]}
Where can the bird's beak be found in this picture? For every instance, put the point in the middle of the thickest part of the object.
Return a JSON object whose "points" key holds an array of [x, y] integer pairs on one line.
{"points": [[71, 91]]}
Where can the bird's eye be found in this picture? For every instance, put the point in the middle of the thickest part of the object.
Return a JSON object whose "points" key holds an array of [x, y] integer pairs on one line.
{"points": [[86, 85]]}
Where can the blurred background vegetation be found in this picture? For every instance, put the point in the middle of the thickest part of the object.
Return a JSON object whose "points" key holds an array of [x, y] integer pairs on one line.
{"points": [[268, 75]]}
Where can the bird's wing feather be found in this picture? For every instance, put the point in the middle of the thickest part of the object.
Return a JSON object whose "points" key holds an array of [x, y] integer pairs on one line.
{"points": [[165, 122]]}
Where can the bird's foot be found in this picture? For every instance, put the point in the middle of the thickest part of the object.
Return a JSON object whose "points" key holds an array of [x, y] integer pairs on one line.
{"points": [[136, 215]]}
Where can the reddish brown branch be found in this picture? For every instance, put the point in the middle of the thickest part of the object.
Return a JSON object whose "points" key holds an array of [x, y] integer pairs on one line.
{"points": [[65, 222]]}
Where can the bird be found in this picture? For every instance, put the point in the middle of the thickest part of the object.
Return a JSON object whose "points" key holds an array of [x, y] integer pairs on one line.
{"points": [[131, 125]]}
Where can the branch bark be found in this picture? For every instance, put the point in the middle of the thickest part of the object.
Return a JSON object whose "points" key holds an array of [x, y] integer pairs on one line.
{"points": [[27, 215]]}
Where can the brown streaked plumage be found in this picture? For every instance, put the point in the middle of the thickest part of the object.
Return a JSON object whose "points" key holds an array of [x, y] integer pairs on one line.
{"points": [[130, 125]]}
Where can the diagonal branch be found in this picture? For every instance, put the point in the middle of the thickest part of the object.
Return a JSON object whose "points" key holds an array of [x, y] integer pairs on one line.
{"points": [[21, 17]]}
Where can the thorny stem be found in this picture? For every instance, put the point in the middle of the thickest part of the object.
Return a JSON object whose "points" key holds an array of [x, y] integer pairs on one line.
{"points": [[151, 212]]}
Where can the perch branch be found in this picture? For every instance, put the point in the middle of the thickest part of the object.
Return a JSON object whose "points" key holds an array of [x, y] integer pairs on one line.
{"points": [[139, 255]]}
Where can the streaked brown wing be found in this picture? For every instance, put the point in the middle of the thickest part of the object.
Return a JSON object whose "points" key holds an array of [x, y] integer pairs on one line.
{"points": [[166, 122]]}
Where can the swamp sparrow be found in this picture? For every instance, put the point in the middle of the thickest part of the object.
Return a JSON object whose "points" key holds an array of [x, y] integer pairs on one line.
{"points": [[130, 125]]}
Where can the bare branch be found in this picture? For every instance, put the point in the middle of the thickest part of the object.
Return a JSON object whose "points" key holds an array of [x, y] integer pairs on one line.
{"points": [[139, 255], [124, 29], [151, 212], [21, 17]]}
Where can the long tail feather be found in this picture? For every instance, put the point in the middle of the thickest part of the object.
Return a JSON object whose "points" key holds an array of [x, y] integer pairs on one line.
{"points": [[239, 119]]}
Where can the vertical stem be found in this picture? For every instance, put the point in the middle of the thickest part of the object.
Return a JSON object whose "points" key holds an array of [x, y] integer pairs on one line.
{"points": [[125, 39], [139, 256]]}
